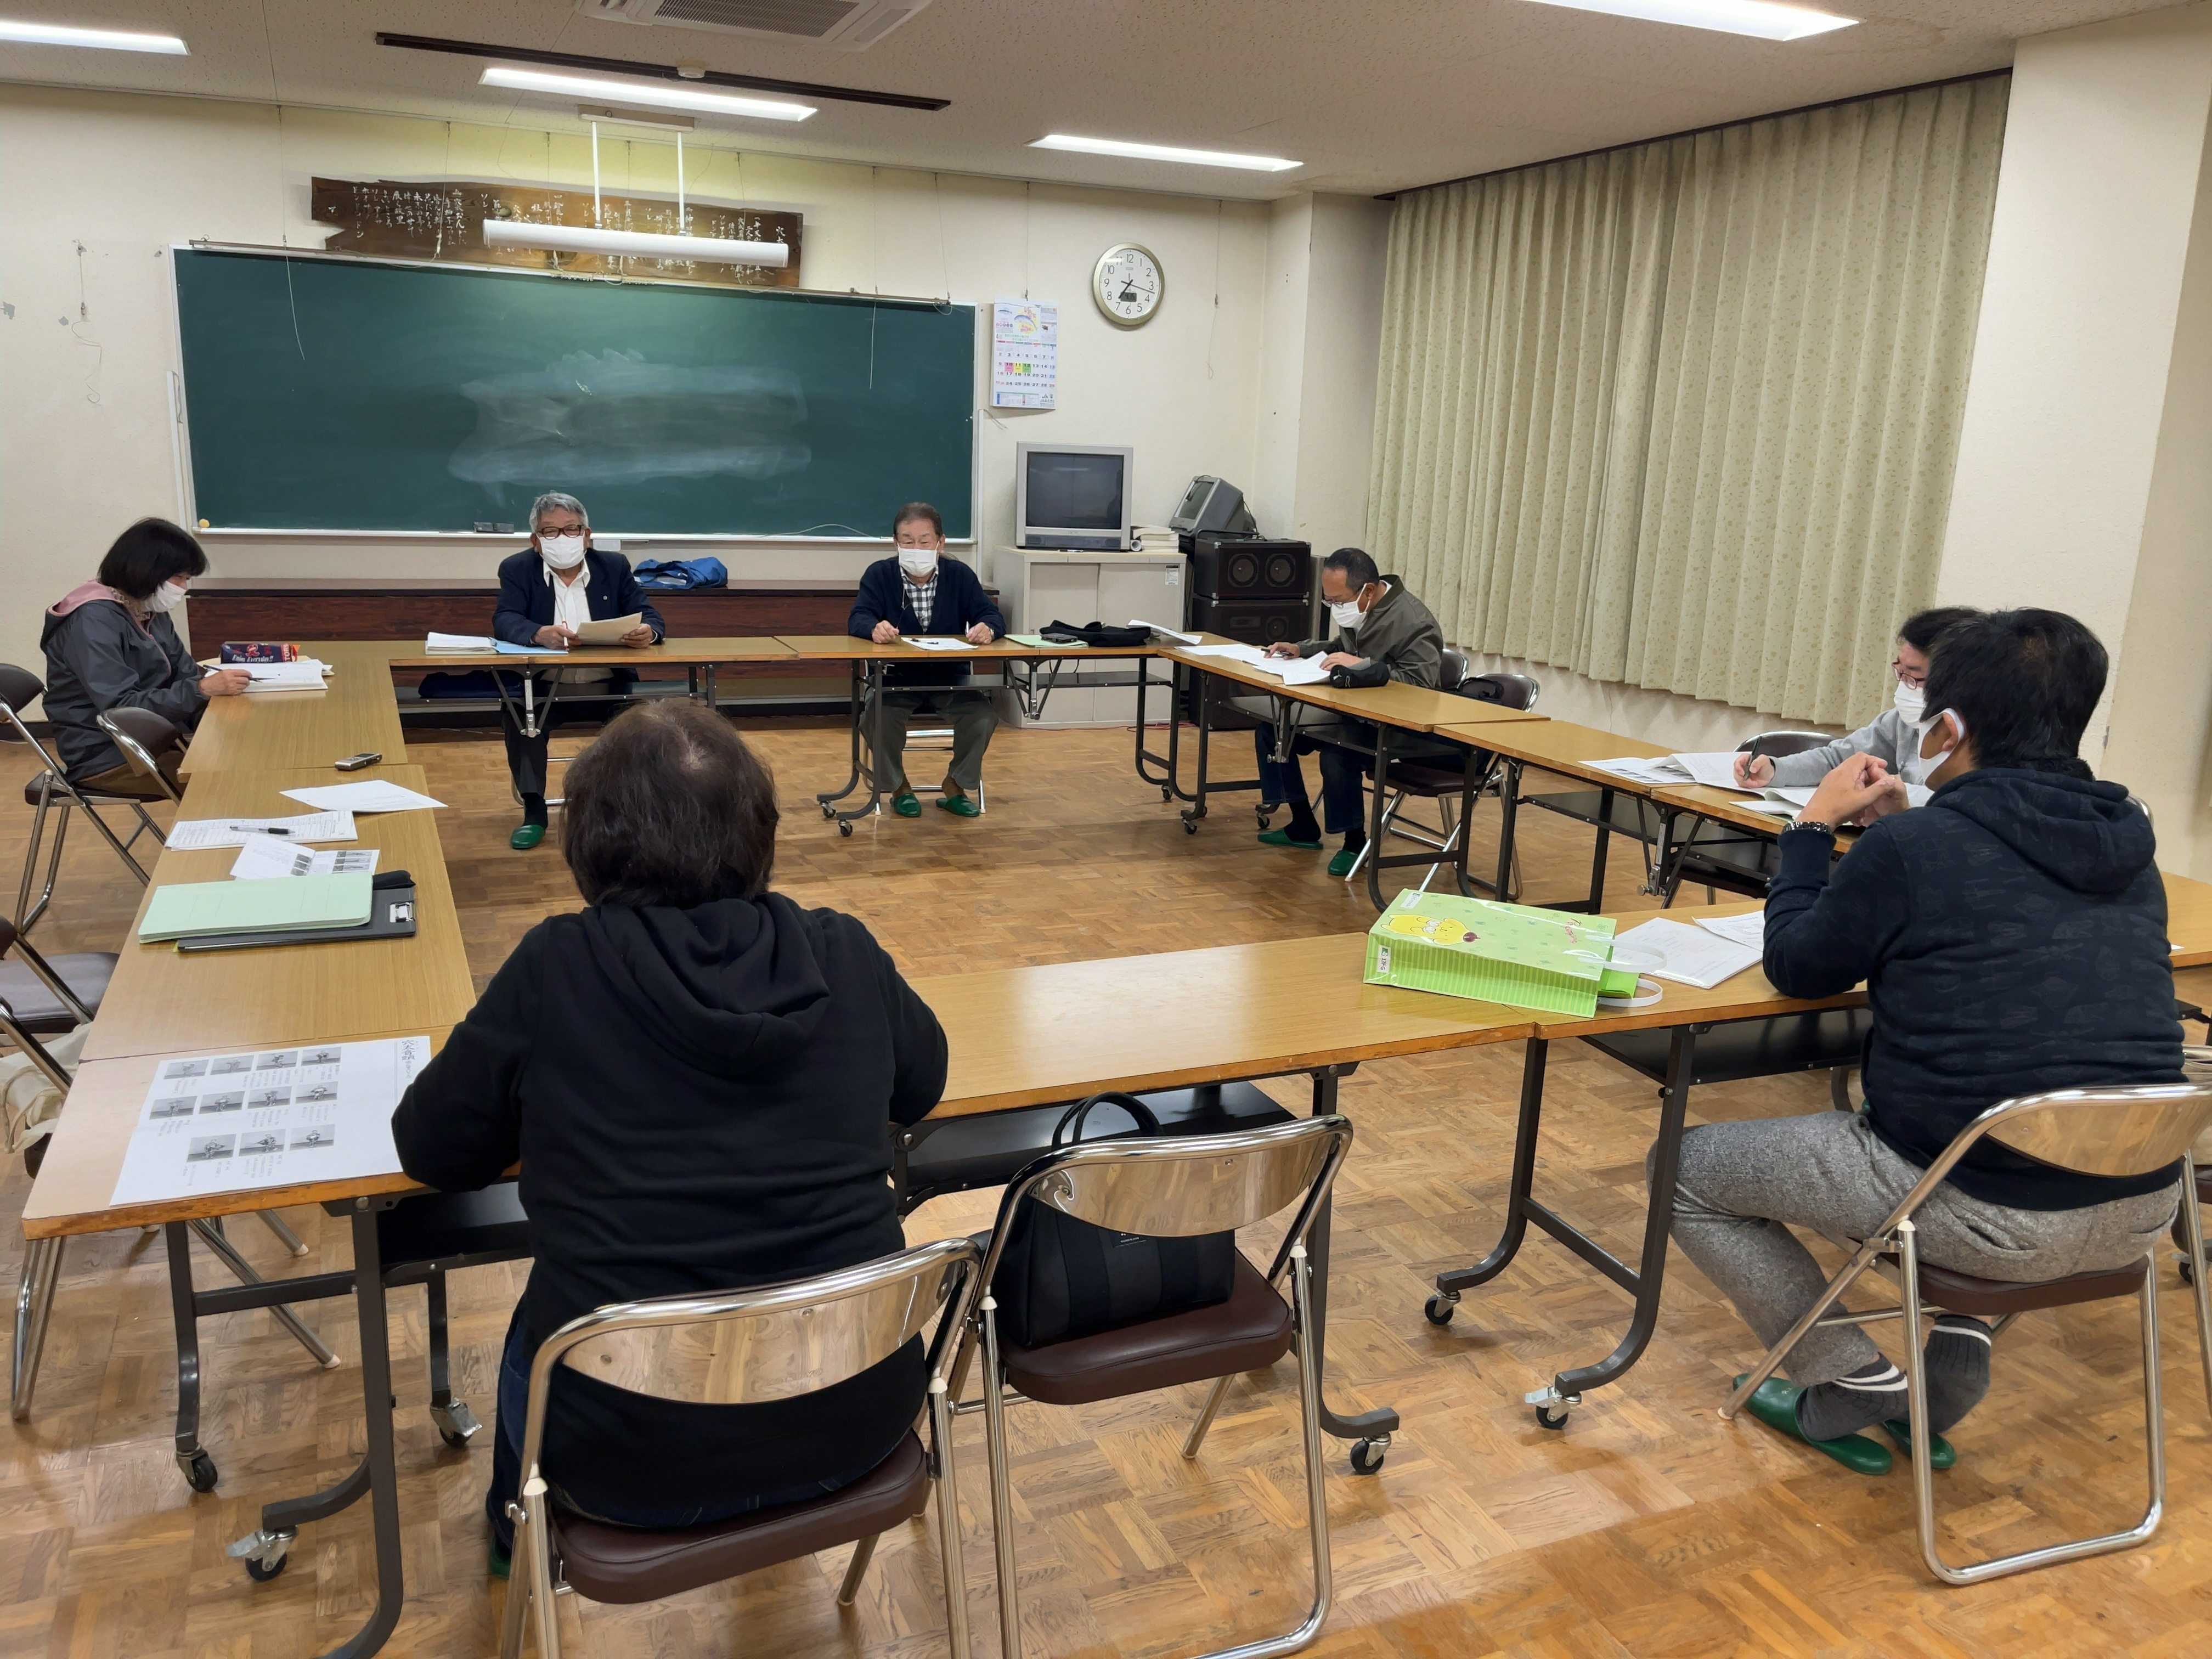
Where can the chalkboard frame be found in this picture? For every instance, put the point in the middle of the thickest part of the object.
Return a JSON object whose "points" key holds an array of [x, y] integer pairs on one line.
{"points": [[181, 412]]}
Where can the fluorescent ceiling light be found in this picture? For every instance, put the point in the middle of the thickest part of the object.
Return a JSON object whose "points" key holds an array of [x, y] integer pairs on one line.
{"points": [[638, 244], [1204, 158], [1759, 17], [654, 94], [61, 34]]}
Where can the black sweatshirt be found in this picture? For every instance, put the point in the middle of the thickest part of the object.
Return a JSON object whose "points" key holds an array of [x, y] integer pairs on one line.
{"points": [[2011, 936], [701, 1100]]}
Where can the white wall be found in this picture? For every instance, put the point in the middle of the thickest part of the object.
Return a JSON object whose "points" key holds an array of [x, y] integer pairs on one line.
{"points": [[2082, 484], [87, 338]]}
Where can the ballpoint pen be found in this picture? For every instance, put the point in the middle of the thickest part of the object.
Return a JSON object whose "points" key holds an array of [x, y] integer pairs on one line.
{"points": [[257, 830]]}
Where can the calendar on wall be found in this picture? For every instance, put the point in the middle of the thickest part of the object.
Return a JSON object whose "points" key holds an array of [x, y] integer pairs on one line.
{"points": [[1025, 354]]}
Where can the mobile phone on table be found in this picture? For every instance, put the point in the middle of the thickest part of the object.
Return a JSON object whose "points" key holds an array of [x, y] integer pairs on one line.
{"points": [[354, 762]]}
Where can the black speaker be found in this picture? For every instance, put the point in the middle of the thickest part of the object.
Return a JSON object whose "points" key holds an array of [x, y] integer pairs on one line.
{"points": [[1241, 567], [1254, 622]]}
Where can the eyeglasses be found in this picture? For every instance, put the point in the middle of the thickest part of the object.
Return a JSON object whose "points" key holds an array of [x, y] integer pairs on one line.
{"points": [[1914, 677]]}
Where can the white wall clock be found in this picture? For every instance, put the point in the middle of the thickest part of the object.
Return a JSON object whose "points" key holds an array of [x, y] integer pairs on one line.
{"points": [[1128, 284]]}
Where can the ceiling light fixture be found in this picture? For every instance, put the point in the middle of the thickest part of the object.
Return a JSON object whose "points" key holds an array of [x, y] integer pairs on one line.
{"points": [[61, 34], [664, 96], [1203, 158], [1761, 18]]}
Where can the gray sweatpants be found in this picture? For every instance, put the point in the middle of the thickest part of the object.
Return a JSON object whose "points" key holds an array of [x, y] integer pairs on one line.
{"points": [[970, 714], [1743, 1186]]}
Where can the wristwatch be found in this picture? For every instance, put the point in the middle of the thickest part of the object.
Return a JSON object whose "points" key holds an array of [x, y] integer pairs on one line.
{"points": [[1827, 829]]}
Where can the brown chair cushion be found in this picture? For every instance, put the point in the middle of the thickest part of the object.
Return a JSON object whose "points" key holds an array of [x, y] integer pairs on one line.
{"points": [[1250, 1330], [629, 1563], [1958, 1292], [37, 1009]]}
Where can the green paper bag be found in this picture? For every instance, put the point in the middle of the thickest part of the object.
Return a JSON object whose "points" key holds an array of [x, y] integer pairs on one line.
{"points": [[1517, 954]]}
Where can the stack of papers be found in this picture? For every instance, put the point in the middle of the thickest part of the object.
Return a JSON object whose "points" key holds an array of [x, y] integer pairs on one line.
{"points": [[1702, 956], [1165, 632], [1715, 769], [608, 630], [1292, 671], [305, 674], [458, 643], [264, 858], [191, 835], [188, 909], [935, 642], [1156, 539], [375, 795]]}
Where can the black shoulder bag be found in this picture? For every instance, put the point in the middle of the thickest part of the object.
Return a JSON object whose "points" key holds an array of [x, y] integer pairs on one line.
{"points": [[1059, 1278], [1368, 670]]}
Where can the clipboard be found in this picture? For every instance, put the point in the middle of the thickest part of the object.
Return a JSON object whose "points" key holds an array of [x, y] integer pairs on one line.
{"points": [[390, 915]]}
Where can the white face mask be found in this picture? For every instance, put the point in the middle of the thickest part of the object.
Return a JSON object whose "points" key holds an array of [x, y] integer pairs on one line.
{"points": [[1910, 701], [561, 552], [168, 597], [1346, 616], [917, 561], [1918, 768]]}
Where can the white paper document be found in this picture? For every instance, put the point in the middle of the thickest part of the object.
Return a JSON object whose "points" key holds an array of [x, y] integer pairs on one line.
{"points": [[374, 795], [933, 642], [1688, 955], [1716, 770], [1234, 652], [1637, 770], [220, 1123], [265, 857], [1749, 928], [191, 835], [1165, 632], [438, 642], [304, 675], [609, 630]]}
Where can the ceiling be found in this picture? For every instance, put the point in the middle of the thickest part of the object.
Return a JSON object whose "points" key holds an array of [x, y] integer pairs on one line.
{"points": [[1371, 96]]}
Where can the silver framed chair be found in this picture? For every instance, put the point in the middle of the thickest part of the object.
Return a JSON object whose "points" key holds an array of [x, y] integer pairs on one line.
{"points": [[739, 1347], [1429, 779], [49, 792], [145, 740], [1172, 1189], [2106, 1131]]}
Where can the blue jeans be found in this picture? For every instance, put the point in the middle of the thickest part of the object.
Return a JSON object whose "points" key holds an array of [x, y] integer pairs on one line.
{"points": [[507, 1465], [1343, 772]]}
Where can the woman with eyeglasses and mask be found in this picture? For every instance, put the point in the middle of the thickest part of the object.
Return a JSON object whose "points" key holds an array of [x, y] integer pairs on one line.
{"points": [[110, 644], [1893, 737]]}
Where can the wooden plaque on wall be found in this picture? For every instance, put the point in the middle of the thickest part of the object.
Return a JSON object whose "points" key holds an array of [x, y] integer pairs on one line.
{"points": [[445, 221]]}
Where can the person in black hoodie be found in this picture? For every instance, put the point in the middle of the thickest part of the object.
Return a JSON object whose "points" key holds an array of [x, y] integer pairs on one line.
{"points": [[699, 1080], [2012, 936]]}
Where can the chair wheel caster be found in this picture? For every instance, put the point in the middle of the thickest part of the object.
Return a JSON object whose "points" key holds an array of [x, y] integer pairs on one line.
{"points": [[1188, 828], [262, 1553], [1548, 1419], [845, 829], [1367, 1454], [827, 811], [1166, 793], [260, 1574], [456, 1424], [1265, 814], [1438, 1309], [2188, 1274], [200, 1474]]}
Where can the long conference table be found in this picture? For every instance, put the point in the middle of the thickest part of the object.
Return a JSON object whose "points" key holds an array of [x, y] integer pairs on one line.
{"points": [[1234, 1013]]}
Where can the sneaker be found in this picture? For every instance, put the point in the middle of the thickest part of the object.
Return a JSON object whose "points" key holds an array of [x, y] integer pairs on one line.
{"points": [[905, 805], [526, 837]]}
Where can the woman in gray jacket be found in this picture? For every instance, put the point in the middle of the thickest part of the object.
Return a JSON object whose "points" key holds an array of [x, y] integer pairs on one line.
{"points": [[1893, 736], [110, 644]]}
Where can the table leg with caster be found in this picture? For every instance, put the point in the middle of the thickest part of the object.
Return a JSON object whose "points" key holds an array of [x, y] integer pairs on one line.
{"points": [[199, 1468], [1449, 1286], [1369, 1432]]}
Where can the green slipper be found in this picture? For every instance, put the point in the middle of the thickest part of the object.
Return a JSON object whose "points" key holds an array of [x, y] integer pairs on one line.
{"points": [[526, 837], [1282, 838], [905, 805], [1939, 1453], [1774, 1402], [961, 806], [1342, 863], [499, 1565]]}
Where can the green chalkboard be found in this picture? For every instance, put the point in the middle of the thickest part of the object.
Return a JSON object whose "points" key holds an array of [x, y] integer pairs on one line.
{"points": [[353, 394]]}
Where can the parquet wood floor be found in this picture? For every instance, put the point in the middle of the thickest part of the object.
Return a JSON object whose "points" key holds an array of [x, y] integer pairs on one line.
{"points": [[1648, 1528]]}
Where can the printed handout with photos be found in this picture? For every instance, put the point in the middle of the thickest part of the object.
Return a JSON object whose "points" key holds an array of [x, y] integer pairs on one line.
{"points": [[268, 1117]]}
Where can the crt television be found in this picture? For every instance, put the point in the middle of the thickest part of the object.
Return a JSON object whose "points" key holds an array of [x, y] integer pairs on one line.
{"points": [[1073, 496], [1210, 504]]}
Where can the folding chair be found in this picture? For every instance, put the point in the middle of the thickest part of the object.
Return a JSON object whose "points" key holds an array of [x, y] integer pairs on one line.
{"points": [[2106, 1131], [51, 788], [1173, 1189], [737, 1348], [1425, 780]]}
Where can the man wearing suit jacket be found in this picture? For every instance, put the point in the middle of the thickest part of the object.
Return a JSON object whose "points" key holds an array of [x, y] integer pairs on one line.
{"points": [[546, 594], [919, 591]]}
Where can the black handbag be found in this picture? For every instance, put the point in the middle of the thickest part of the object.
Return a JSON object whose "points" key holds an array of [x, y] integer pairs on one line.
{"points": [[1369, 670], [1059, 1278], [1096, 633]]}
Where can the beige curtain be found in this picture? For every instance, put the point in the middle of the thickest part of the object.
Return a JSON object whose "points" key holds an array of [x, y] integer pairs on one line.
{"points": [[1685, 415]]}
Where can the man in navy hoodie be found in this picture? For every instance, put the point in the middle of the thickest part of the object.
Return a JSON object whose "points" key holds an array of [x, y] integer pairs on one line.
{"points": [[920, 590], [2012, 936]]}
